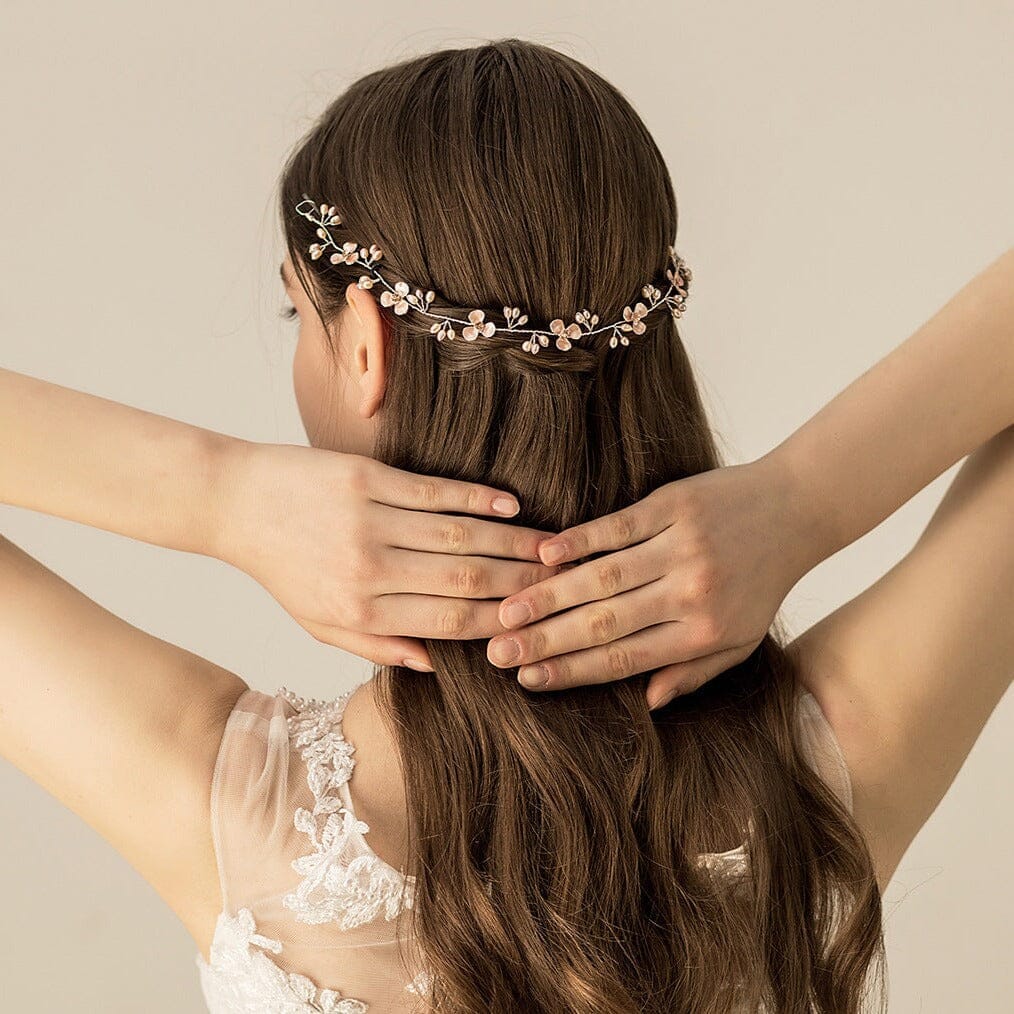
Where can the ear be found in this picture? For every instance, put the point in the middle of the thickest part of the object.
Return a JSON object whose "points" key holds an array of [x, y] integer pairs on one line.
{"points": [[369, 349]]}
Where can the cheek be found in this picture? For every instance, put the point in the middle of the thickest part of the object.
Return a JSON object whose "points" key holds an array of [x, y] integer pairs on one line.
{"points": [[308, 380], [328, 403]]}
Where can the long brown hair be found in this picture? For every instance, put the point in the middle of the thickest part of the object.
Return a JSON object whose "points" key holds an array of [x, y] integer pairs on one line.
{"points": [[553, 835]]}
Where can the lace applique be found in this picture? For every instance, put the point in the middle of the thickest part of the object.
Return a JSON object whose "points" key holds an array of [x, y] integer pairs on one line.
{"points": [[337, 885], [420, 985], [242, 980]]}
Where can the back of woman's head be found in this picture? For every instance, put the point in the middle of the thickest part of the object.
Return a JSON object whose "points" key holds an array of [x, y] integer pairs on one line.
{"points": [[554, 836]]}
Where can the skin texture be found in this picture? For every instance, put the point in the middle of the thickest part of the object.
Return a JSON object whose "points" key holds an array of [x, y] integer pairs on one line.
{"points": [[339, 395]]}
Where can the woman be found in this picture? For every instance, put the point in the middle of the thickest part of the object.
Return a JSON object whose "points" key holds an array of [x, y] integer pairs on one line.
{"points": [[445, 838]]}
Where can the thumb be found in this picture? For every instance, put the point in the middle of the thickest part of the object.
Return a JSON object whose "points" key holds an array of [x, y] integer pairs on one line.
{"points": [[686, 677], [382, 650]]}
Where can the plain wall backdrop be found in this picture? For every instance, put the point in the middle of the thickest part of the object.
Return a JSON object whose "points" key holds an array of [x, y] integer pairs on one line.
{"points": [[841, 171]]}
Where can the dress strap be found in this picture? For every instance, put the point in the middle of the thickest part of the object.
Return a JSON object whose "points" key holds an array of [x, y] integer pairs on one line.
{"points": [[343, 880], [821, 748]]}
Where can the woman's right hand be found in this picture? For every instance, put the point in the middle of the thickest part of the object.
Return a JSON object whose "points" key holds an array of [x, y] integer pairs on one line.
{"points": [[365, 556], [693, 576]]}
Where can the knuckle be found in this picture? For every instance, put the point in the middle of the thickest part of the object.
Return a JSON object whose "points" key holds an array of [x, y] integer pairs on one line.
{"points": [[357, 476], [618, 661], [691, 510], [609, 577], [544, 601], [534, 574], [533, 644], [700, 582], [621, 527], [452, 622], [475, 499], [358, 614], [427, 493], [453, 535], [578, 543], [603, 624], [520, 544], [362, 566], [469, 580], [696, 682]]}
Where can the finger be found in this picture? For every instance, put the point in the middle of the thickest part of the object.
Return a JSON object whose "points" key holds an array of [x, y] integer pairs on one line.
{"points": [[636, 653], [685, 677], [598, 623], [622, 528], [382, 650], [433, 616], [399, 488], [586, 582], [469, 577], [443, 533]]}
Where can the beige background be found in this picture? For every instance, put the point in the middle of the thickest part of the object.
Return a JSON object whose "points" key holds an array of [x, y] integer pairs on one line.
{"points": [[841, 169]]}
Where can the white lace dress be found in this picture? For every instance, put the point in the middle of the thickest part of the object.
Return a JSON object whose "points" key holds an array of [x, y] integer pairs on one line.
{"points": [[313, 920]]}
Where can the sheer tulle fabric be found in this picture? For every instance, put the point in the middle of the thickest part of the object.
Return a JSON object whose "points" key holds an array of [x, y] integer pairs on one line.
{"points": [[313, 919]]}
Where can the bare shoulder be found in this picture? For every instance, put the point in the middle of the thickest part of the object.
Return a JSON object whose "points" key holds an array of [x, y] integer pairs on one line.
{"points": [[377, 785], [909, 671]]}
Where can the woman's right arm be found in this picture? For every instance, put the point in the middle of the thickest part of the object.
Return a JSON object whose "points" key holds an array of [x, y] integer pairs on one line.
{"points": [[910, 670]]}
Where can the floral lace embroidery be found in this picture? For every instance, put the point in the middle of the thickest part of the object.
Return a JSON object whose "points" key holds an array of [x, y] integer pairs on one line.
{"points": [[421, 984], [241, 980], [337, 886]]}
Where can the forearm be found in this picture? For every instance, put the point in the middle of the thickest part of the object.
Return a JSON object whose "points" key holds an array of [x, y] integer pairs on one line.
{"points": [[96, 461], [936, 397]]}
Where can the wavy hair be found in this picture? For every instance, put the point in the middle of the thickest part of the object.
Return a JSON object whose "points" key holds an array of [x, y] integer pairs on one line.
{"points": [[552, 836]]}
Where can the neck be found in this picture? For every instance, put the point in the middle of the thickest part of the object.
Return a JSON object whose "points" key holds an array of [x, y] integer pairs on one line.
{"points": [[377, 783]]}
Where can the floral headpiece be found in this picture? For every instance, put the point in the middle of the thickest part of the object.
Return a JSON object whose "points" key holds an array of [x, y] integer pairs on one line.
{"points": [[401, 297]]}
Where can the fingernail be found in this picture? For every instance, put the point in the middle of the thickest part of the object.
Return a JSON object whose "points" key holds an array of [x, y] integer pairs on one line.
{"points": [[516, 614], [551, 554], [656, 701], [414, 663], [504, 505], [504, 652], [534, 677]]}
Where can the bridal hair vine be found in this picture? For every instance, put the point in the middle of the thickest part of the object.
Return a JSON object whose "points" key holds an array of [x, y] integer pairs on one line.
{"points": [[402, 298]]}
